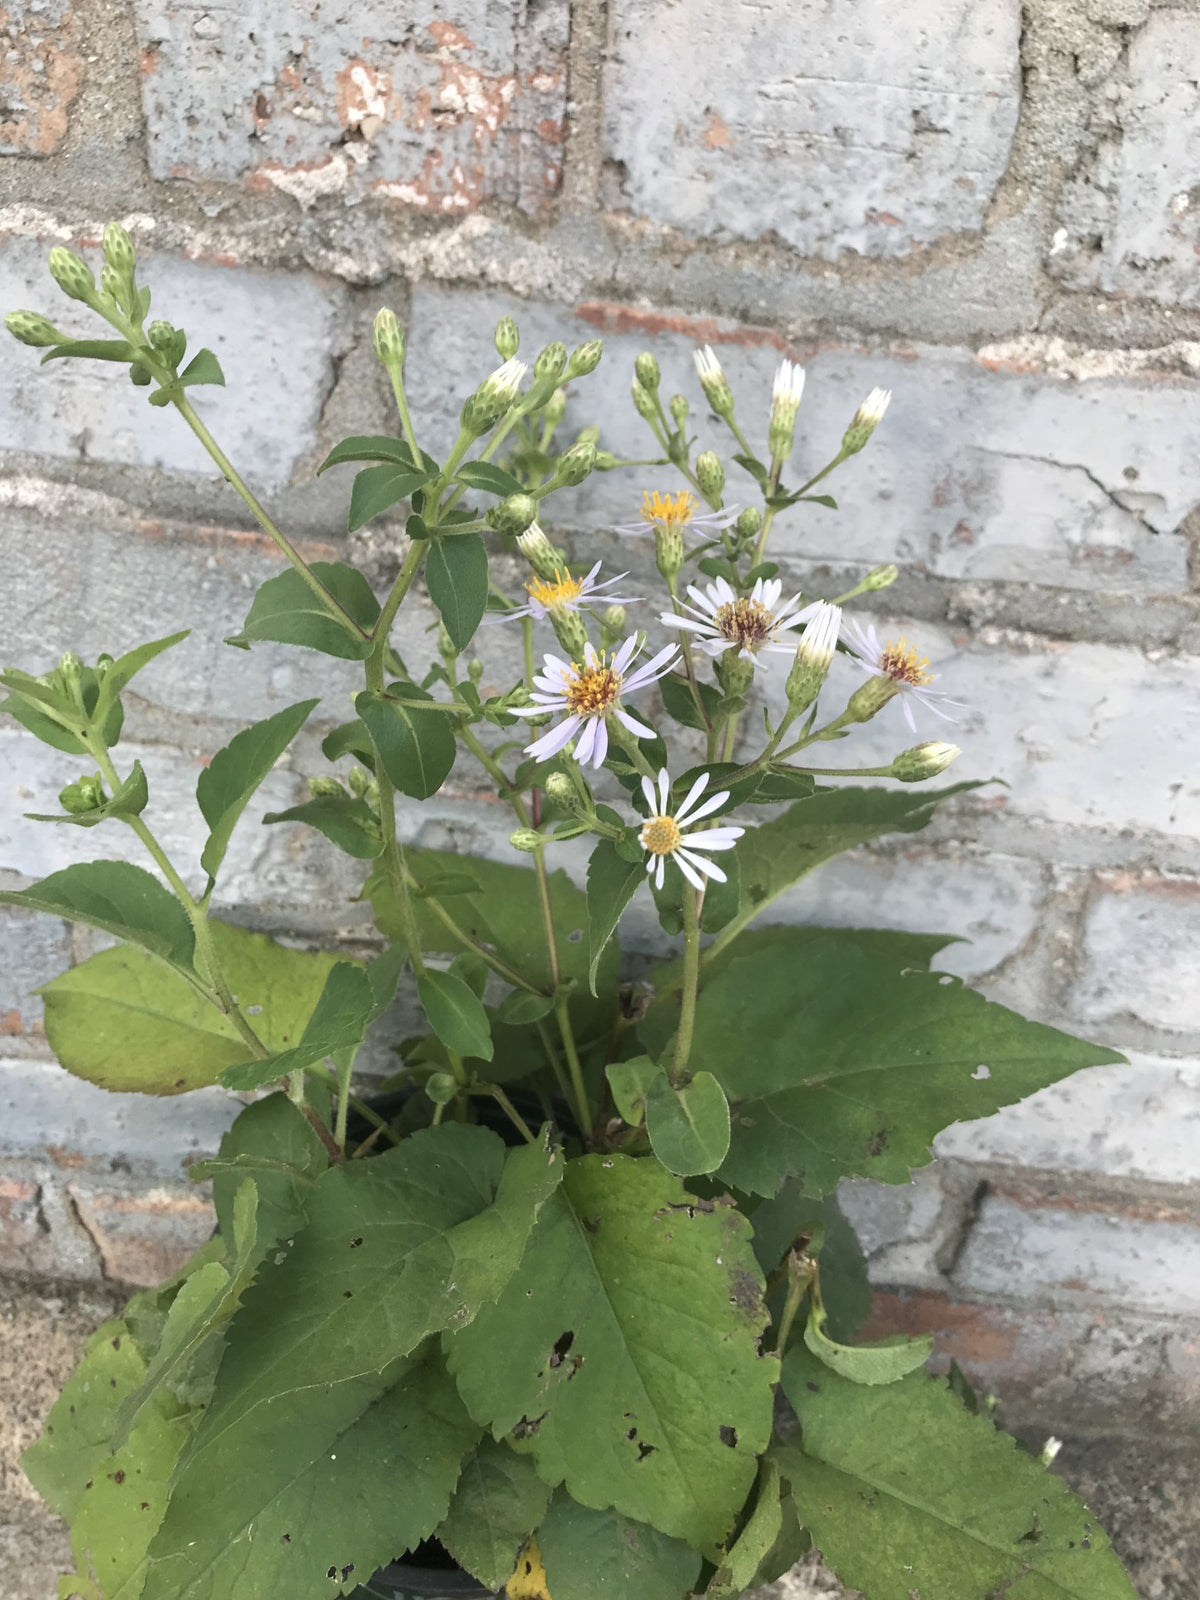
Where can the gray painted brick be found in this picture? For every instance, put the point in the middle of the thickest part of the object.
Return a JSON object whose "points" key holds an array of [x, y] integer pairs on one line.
{"points": [[272, 331], [1129, 221], [439, 109], [32, 950], [823, 123], [1135, 1121], [1139, 955], [1068, 1255]]}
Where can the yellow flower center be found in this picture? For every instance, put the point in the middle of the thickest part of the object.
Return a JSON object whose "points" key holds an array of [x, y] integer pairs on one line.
{"points": [[661, 836], [746, 622], [670, 510], [557, 591], [593, 690], [901, 662]]}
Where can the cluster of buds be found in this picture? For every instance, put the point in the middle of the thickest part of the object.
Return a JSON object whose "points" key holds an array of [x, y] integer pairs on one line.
{"points": [[84, 795]]}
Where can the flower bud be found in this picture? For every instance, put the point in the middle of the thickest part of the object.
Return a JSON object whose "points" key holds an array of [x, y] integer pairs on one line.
{"points": [[814, 653], [507, 339], [734, 673], [668, 549], [785, 403], [118, 250], [710, 475], [70, 674], [880, 578], [445, 644], [493, 397], [72, 274], [865, 420], [748, 523], [30, 327], [139, 375], [644, 403], [541, 555], [527, 839], [864, 703], [388, 337], [679, 409], [552, 411], [713, 381], [924, 761], [551, 362], [561, 790], [571, 631], [647, 370], [113, 284], [514, 514], [161, 335], [612, 627], [441, 1087], [325, 788], [585, 358], [359, 781], [605, 461], [575, 464], [87, 794]]}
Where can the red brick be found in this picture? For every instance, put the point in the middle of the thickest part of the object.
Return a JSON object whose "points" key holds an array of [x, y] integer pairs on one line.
{"points": [[41, 72], [143, 1238]]}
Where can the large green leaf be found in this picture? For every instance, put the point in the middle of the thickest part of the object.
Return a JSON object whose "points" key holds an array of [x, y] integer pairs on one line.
{"points": [[370, 447], [274, 1143], [112, 1502], [611, 884], [842, 1063], [338, 1021], [455, 1014], [118, 898], [906, 1492], [498, 1503], [224, 788], [287, 610], [317, 1520], [120, 1020], [398, 1247], [343, 818], [377, 489], [416, 747], [624, 1353], [776, 855], [456, 574], [601, 1555]]}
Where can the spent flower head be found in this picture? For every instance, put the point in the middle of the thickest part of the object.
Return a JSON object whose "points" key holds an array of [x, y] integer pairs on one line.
{"points": [[720, 619], [897, 670]]}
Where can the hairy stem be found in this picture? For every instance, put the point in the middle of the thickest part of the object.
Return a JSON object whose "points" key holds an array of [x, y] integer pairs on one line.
{"points": [[692, 900]]}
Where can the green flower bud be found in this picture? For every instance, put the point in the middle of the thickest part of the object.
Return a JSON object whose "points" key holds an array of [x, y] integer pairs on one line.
{"points": [[572, 634], [647, 370], [924, 761], [541, 555], [575, 464], [359, 782], [561, 790], [714, 382], [119, 253], [72, 274], [865, 420], [734, 673], [668, 549], [527, 839], [866, 702], [70, 673], [881, 578], [507, 338], [325, 788], [814, 654], [679, 409], [441, 1087], [445, 644], [585, 358], [785, 403], [588, 435], [748, 523], [388, 337], [30, 327], [139, 375], [87, 794], [552, 411], [612, 627], [474, 669], [710, 475], [644, 403], [514, 514], [605, 461], [494, 396], [161, 335], [551, 362], [113, 284]]}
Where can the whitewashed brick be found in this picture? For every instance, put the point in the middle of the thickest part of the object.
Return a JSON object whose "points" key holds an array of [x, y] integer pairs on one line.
{"points": [[823, 123], [271, 331], [1141, 952], [440, 107]]}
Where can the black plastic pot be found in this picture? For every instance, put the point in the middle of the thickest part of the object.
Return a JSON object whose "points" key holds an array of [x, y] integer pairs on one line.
{"points": [[432, 1576]]}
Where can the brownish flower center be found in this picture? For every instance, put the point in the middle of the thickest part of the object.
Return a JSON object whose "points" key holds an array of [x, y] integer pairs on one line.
{"points": [[661, 836], [901, 662], [592, 691], [745, 622]]}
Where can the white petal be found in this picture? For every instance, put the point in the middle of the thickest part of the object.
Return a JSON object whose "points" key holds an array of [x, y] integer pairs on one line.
{"points": [[689, 872], [551, 743], [715, 838], [632, 723], [664, 788], [709, 868], [648, 791], [661, 873], [713, 803], [601, 749], [692, 796], [625, 654], [906, 706]]}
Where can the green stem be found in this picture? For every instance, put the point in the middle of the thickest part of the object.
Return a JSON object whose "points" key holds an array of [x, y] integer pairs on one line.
{"points": [[629, 744], [574, 1066], [685, 644], [762, 536], [800, 1276], [283, 543], [692, 900], [547, 910], [556, 1066], [365, 1111], [509, 1110], [396, 374]]}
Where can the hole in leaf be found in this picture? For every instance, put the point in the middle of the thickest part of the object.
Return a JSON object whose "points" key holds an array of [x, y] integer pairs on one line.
{"points": [[728, 1435], [332, 1573], [575, 936], [285, 1538], [354, 1243], [527, 1426], [561, 1345]]}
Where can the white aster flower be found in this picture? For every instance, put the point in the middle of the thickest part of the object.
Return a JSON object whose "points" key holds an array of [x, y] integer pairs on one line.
{"points": [[666, 833], [897, 660], [724, 620], [563, 593], [589, 694], [787, 392], [671, 513], [870, 413]]}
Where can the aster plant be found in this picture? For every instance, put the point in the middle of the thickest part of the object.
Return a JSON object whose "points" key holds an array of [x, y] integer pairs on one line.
{"points": [[573, 1296]]}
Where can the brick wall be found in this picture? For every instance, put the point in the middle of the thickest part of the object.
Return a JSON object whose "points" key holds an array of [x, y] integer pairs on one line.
{"points": [[994, 213]]}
